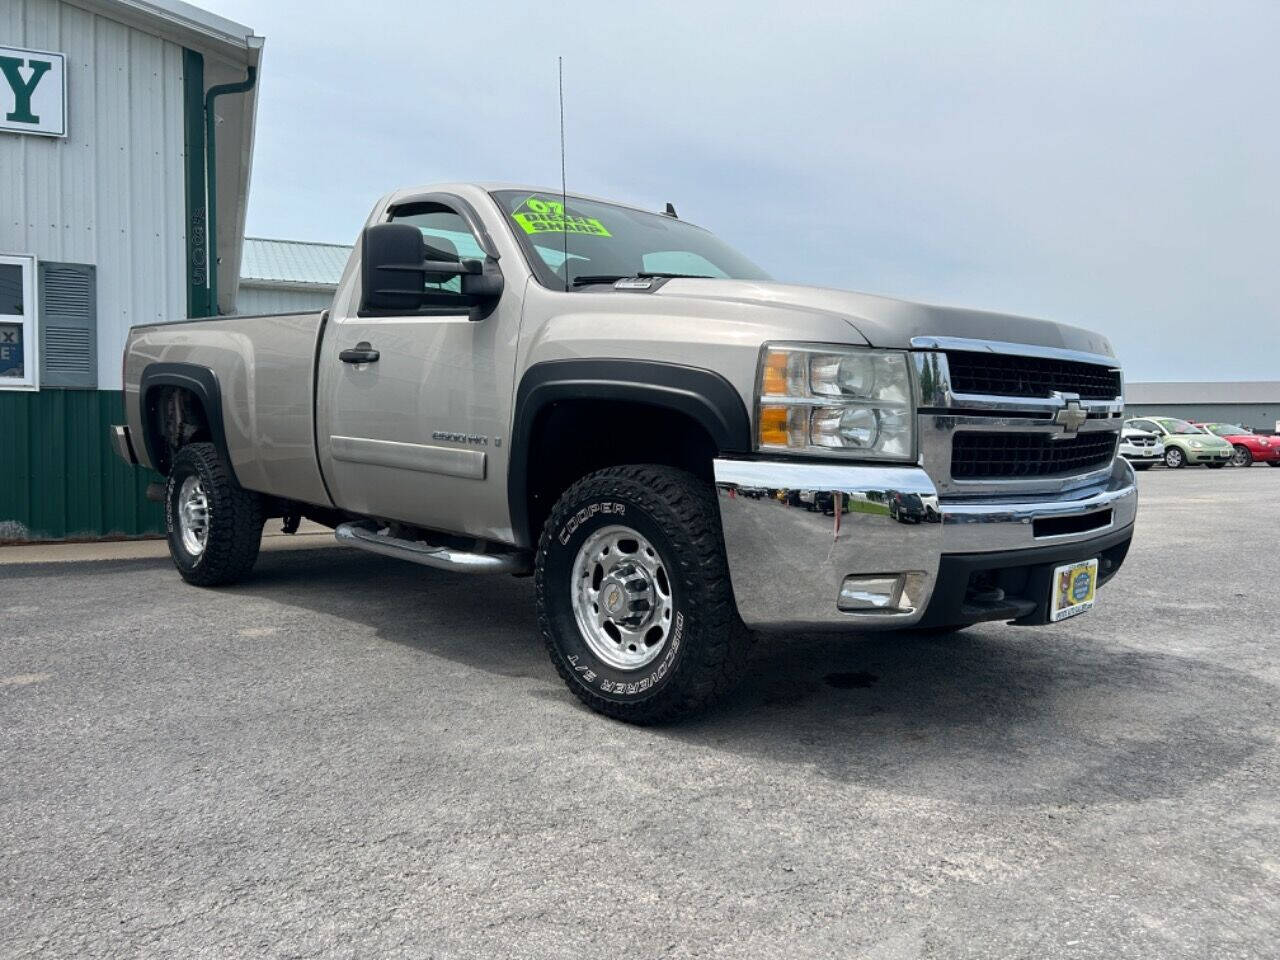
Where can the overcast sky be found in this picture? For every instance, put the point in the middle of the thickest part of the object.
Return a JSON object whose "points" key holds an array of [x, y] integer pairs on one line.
{"points": [[1113, 165]]}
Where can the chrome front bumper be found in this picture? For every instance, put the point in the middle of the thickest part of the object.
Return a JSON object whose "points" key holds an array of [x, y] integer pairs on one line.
{"points": [[790, 550]]}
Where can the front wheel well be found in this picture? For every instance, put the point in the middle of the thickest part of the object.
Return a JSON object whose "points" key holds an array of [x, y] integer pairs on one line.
{"points": [[573, 438]]}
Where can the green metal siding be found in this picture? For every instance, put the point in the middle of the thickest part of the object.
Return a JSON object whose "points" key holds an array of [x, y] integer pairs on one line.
{"points": [[59, 477]]}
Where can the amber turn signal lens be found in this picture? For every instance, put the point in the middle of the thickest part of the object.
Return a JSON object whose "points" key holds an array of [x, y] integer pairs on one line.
{"points": [[775, 373], [773, 426]]}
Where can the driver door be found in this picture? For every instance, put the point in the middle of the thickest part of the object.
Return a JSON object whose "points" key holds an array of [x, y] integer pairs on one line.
{"points": [[417, 434]]}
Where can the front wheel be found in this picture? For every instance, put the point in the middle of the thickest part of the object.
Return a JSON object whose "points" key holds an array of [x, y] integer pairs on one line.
{"points": [[1174, 458], [1142, 464], [1242, 457], [633, 595], [214, 525]]}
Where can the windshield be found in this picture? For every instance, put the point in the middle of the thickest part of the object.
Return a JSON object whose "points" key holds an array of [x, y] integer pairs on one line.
{"points": [[1226, 429], [606, 241], [1179, 426]]}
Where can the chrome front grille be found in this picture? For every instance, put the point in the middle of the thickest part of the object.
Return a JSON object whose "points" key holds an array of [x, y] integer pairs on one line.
{"points": [[1011, 418], [1007, 375], [988, 456]]}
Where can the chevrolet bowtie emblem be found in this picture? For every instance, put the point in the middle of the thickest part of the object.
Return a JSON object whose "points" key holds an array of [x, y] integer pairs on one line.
{"points": [[1071, 417]]}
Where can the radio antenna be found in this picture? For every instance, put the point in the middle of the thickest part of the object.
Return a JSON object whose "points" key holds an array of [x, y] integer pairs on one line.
{"points": [[564, 190]]}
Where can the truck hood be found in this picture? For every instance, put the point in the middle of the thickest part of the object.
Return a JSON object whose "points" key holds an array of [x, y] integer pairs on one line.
{"points": [[890, 323]]}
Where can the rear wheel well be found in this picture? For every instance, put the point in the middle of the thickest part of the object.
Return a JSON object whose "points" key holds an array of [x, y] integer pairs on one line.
{"points": [[173, 417], [571, 439]]}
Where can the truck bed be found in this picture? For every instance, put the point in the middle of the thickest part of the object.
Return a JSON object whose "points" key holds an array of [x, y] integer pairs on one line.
{"points": [[263, 370]]}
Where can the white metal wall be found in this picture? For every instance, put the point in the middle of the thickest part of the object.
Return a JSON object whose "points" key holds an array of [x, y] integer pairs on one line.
{"points": [[275, 300], [112, 192]]}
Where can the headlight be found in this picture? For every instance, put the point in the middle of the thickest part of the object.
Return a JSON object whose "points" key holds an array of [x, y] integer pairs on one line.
{"points": [[1196, 445], [847, 401]]}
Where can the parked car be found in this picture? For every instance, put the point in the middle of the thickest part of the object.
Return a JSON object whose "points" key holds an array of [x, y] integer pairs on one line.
{"points": [[1250, 448], [1142, 448], [511, 382], [1186, 443]]}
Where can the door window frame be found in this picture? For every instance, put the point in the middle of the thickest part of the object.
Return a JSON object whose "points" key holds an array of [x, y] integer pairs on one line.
{"points": [[30, 380]]}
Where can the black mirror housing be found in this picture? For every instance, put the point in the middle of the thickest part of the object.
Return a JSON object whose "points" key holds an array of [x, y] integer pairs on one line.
{"points": [[391, 267], [484, 286], [396, 262]]}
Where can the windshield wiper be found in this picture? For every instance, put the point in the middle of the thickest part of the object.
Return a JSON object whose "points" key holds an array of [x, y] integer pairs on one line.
{"points": [[586, 280], [602, 278]]}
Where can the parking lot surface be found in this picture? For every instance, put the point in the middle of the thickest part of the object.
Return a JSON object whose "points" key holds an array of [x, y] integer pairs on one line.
{"points": [[354, 757]]}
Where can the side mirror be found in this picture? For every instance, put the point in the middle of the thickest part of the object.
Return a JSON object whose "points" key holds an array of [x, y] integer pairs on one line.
{"points": [[391, 274], [396, 262], [486, 286]]}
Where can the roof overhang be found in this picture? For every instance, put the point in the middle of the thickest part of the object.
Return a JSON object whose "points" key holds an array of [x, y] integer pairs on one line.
{"points": [[251, 283], [180, 23], [228, 49]]}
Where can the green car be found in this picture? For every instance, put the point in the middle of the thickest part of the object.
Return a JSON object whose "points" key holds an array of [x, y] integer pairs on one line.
{"points": [[1186, 443]]}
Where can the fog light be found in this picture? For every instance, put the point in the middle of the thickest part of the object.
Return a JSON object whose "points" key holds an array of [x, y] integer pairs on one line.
{"points": [[870, 593]]}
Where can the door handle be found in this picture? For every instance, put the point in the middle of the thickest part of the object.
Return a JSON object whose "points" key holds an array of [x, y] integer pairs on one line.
{"points": [[362, 352]]}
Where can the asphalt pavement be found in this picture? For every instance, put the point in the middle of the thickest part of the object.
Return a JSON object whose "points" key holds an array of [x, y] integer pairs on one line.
{"points": [[354, 757]]}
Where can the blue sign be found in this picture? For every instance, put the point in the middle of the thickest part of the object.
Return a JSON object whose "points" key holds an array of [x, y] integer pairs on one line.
{"points": [[1080, 589], [11, 364]]}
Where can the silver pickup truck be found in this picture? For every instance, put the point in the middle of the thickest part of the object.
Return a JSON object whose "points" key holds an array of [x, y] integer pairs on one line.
{"points": [[680, 450]]}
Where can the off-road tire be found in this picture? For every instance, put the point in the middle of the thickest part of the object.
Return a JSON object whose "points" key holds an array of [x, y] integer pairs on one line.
{"points": [[706, 650], [1175, 459], [235, 520]]}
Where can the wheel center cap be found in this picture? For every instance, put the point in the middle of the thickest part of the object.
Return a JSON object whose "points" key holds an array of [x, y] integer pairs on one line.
{"points": [[626, 595], [614, 596]]}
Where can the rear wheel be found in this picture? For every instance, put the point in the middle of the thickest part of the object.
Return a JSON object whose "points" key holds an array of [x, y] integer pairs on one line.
{"points": [[1216, 464], [633, 594], [1242, 456], [1274, 463], [214, 525], [1174, 458]]}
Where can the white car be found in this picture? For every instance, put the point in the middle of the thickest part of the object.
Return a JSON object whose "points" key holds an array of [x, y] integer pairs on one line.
{"points": [[1142, 448]]}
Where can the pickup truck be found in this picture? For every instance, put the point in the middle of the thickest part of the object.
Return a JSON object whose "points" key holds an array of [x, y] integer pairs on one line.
{"points": [[514, 381]]}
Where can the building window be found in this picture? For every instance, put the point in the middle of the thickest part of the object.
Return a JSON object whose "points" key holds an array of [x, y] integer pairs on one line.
{"points": [[19, 345]]}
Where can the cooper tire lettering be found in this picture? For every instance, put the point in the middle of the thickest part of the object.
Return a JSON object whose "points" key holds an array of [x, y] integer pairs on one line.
{"points": [[673, 516]]}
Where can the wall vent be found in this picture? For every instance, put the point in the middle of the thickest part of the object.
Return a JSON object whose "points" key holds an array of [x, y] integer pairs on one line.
{"points": [[68, 325]]}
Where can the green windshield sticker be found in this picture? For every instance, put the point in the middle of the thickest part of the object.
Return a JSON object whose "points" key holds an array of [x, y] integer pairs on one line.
{"points": [[547, 216]]}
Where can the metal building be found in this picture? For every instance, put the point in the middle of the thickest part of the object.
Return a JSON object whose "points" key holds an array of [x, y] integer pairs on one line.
{"points": [[126, 139], [1250, 403], [284, 276]]}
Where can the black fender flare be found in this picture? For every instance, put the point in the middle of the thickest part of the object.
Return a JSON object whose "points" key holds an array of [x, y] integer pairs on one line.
{"points": [[203, 384], [703, 395]]}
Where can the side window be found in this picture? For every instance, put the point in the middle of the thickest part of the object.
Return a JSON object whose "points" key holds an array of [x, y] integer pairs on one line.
{"points": [[445, 231], [19, 348]]}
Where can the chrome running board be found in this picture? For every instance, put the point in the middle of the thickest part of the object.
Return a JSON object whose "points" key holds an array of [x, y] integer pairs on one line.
{"points": [[367, 536]]}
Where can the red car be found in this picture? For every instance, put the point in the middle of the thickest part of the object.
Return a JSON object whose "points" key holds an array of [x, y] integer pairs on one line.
{"points": [[1250, 447]]}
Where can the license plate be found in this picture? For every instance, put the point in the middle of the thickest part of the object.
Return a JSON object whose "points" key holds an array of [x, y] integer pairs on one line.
{"points": [[1073, 586]]}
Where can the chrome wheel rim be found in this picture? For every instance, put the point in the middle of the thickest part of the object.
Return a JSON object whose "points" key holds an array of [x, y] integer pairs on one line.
{"points": [[621, 597], [1240, 458], [193, 516]]}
